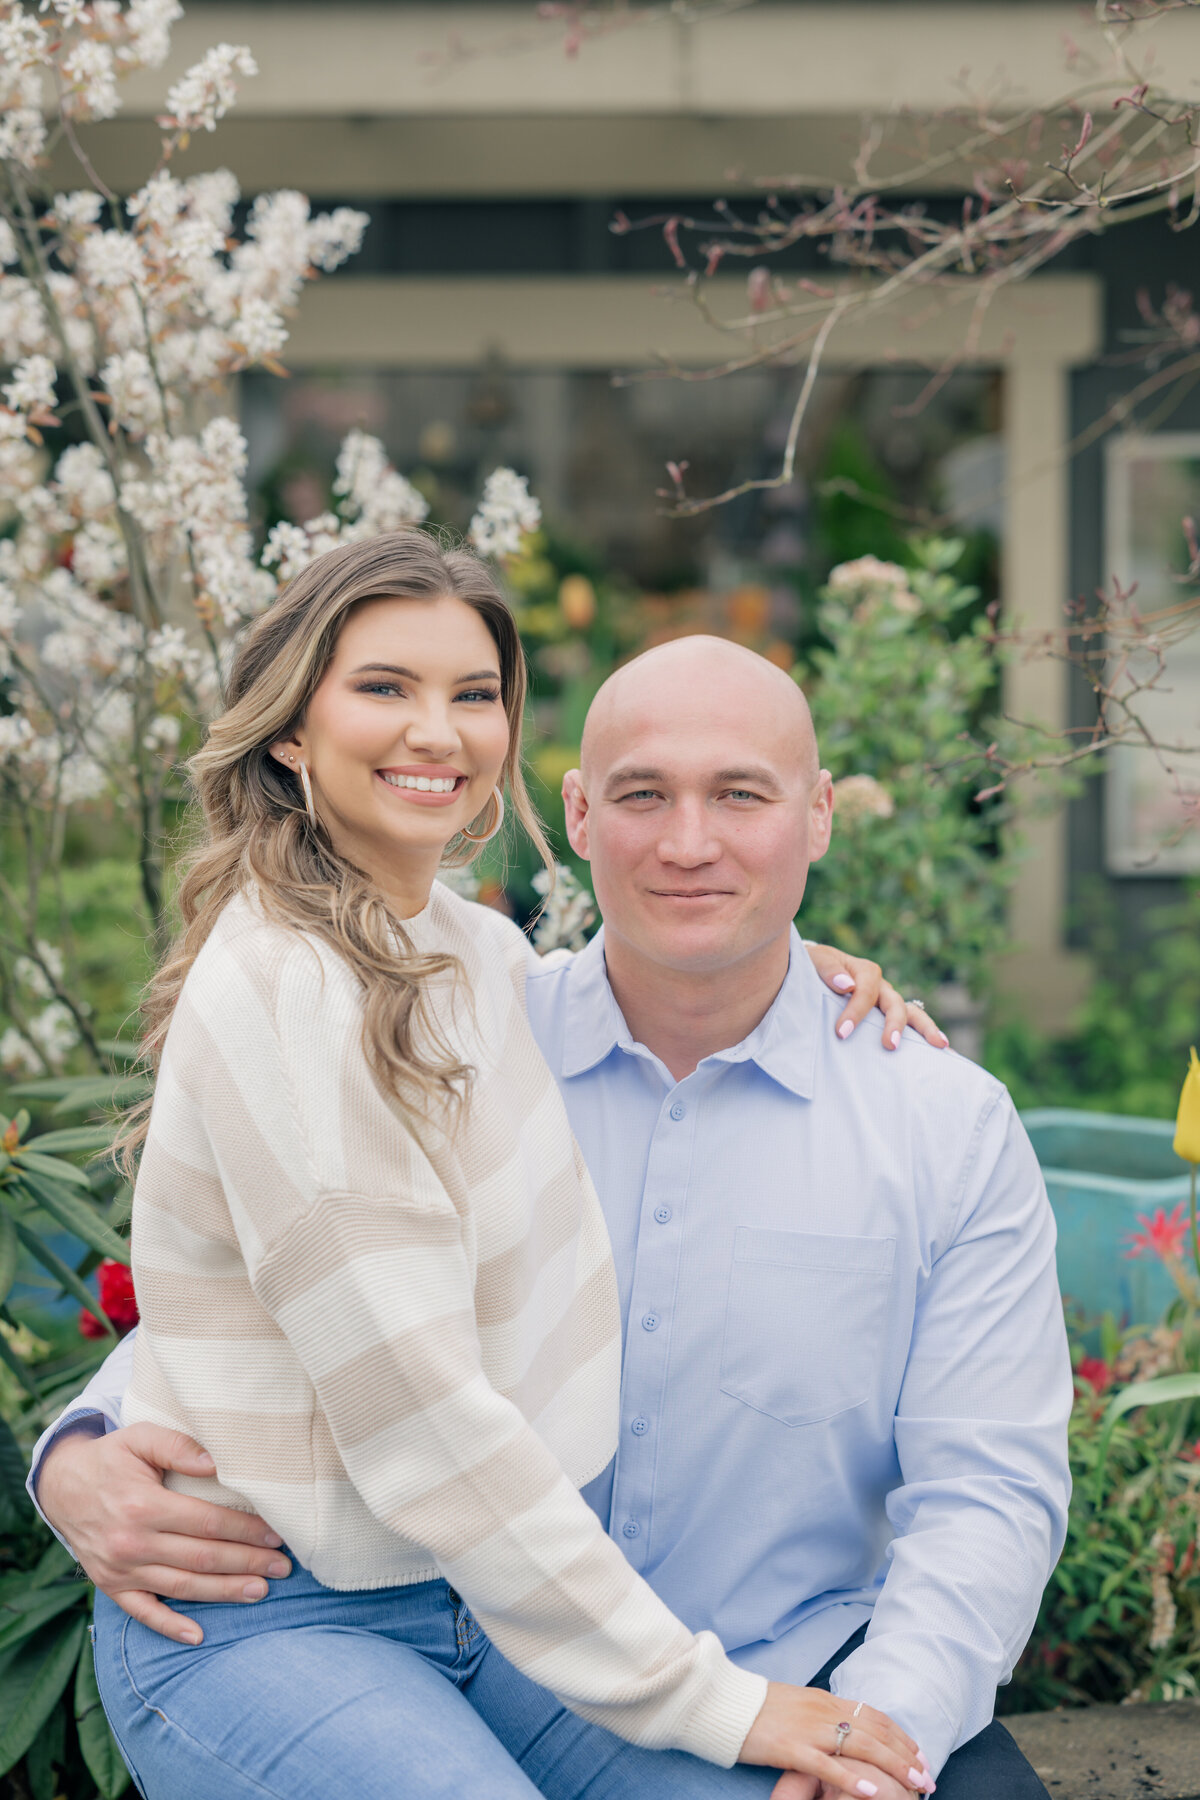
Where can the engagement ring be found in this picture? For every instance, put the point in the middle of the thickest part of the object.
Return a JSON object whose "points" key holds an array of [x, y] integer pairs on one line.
{"points": [[843, 1732]]}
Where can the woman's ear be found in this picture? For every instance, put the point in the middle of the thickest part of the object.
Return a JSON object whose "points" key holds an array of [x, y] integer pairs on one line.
{"points": [[288, 751]]}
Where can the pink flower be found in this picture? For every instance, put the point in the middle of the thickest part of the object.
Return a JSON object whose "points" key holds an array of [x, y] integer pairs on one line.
{"points": [[1163, 1237], [115, 1282], [1098, 1374]]}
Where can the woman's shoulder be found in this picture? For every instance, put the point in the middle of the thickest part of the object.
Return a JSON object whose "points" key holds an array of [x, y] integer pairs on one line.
{"points": [[466, 925], [249, 950]]}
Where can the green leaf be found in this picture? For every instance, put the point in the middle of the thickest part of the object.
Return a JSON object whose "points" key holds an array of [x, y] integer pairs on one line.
{"points": [[24, 1614], [15, 1366], [46, 1753], [12, 1472], [62, 1272], [1162, 1391], [72, 1137], [8, 1253], [52, 1167], [105, 1762], [75, 1215], [33, 1683]]}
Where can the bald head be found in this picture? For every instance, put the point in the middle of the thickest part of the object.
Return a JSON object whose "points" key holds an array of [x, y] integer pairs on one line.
{"points": [[681, 689]]}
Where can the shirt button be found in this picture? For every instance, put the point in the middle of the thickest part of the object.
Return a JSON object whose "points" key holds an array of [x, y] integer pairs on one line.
{"points": [[631, 1528], [679, 1111], [662, 1214], [650, 1322], [640, 1426]]}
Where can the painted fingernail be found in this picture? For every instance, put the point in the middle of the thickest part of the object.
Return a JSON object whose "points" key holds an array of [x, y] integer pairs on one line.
{"points": [[845, 1028], [272, 1540], [945, 1040], [918, 1778], [254, 1590], [865, 1787], [923, 1760], [843, 982], [204, 1457], [894, 1039], [277, 1566]]}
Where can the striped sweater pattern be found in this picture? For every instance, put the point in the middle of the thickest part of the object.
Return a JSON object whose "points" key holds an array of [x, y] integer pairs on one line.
{"points": [[398, 1334]]}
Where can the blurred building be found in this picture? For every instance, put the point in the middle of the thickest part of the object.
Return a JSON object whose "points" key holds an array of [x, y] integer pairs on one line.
{"points": [[493, 301]]}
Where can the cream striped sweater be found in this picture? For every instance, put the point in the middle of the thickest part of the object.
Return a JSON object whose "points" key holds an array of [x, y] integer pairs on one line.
{"points": [[402, 1349]]}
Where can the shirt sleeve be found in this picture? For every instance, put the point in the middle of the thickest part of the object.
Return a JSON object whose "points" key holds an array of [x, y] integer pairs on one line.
{"points": [[374, 1292], [981, 1436], [96, 1410]]}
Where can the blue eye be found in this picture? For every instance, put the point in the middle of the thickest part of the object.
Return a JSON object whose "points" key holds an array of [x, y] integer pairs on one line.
{"points": [[486, 694]]}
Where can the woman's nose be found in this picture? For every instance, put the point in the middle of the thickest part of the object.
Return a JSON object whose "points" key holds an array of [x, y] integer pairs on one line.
{"points": [[432, 728]]}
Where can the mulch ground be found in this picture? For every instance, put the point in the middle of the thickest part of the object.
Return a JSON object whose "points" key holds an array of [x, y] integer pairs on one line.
{"points": [[1115, 1752]]}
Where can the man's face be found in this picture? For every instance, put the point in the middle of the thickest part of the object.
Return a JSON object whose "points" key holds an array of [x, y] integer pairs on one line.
{"points": [[699, 806]]}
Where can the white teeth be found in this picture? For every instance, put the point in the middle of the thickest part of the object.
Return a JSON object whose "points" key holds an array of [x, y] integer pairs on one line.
{"points": [[424, 784]]}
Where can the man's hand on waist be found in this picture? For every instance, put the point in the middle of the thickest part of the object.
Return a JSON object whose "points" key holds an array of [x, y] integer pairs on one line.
{"points": [[136, 1539]]}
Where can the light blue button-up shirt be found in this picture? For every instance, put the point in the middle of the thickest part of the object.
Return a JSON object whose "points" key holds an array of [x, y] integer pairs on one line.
{"points": [[846, 1384]]}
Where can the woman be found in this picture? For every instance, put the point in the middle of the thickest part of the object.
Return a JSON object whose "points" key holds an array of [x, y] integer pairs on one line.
{"points": [[373, 1276]]}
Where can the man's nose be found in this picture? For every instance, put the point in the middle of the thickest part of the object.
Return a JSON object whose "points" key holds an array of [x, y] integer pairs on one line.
{"points": [[688, 838]]}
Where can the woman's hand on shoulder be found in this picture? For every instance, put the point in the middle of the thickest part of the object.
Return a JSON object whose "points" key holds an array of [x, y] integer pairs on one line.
{"points": [[864, 983]]}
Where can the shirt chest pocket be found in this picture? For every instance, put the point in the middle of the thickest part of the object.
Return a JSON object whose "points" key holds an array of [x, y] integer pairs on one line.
{"points": [[804, 1322]]}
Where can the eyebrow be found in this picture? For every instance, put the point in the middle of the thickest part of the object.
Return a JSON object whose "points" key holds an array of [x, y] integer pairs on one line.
{"points": [[754, 776], [377, 668]]}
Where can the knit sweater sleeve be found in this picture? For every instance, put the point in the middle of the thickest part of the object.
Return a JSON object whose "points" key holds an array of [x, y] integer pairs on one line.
{"points": [[357, 1252]]}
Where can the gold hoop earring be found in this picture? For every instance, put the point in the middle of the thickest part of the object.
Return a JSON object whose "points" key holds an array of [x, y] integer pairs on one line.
{"points": [[485, 837], [306, 784]]}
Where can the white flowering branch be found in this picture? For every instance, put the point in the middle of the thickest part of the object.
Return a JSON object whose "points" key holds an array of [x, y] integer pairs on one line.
{"points": [[130, 566]]}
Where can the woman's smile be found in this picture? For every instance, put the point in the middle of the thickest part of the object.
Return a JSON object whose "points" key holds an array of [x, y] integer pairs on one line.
{"points": [[422, 784]]}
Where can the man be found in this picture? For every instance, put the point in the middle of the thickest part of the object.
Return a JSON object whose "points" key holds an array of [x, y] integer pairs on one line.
{"points": [[845, 1384]]}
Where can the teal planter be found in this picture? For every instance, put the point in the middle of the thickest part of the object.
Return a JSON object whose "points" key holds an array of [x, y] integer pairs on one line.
{"points": [[1102, 1170]]}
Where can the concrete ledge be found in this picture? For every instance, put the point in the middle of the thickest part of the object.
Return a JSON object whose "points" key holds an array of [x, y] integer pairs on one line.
{"points": [[1115, 1752]]}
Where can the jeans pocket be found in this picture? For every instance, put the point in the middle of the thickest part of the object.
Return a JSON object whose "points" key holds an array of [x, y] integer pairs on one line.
{"points": [[804, 1319]]}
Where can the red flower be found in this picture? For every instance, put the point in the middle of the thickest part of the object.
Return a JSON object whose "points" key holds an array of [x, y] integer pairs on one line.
{"points": [[1098, 1374], [1163, 1237], [117, 1301], [1192, 1453]]}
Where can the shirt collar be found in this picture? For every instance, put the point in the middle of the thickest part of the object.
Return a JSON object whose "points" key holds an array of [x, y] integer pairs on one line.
{"points": [[783, 1043]]}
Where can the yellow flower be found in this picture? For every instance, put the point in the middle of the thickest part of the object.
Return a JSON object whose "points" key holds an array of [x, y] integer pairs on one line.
{"points": [[1187, 1122]]}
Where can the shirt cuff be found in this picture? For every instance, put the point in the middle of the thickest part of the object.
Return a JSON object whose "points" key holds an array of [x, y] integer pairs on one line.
{"points": [[81, 1421], [914, 1709]]}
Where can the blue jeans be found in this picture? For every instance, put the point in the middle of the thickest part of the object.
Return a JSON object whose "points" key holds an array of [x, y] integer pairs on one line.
{"points": [[394, 1694]]}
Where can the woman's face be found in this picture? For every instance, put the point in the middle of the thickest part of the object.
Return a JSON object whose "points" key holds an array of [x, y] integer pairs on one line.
{"points": [[404, 739]]}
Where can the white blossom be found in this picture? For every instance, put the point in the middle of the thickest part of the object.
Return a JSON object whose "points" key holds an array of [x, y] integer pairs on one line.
{"points": [[149, 23], [83, 480], [98, 554], [17, 1054], [258, 330], [568, 915], [377, 497], [31, 389], [16, 734], [9, 253], [54, 1031], [161, 736], [135, 403], [91, 72], [82, 778], [208, 89], [169, 653], [112, 259], [507, 511], [32, 975], [77, 209], [71, 12]]}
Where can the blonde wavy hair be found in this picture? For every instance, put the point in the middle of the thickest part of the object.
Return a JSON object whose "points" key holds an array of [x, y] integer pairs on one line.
{"points": [[258, 835]]}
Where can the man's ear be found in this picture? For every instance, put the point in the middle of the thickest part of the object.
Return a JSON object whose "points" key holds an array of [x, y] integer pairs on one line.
{"points": [[820, 817], [575, 807]]}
